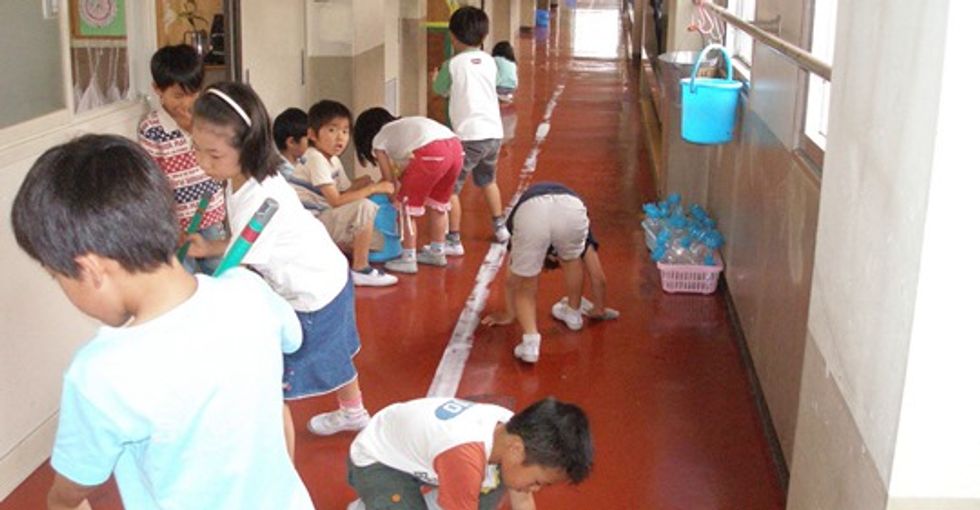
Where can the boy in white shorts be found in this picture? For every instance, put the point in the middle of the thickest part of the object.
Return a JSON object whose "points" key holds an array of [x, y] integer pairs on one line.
{"points": [[550, 226]]}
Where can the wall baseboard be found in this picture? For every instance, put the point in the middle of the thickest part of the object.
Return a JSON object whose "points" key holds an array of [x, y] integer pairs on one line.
{"points": [[27, 456], [768, 427]]}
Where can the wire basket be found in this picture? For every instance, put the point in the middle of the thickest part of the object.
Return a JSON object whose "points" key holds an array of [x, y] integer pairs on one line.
{"points": [[690, 279]]}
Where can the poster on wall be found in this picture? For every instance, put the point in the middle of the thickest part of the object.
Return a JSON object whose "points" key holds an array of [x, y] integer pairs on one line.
{"points": [[98, 19]]}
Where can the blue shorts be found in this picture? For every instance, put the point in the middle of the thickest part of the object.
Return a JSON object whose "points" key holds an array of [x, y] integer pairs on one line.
{"points": [[325, 361]]}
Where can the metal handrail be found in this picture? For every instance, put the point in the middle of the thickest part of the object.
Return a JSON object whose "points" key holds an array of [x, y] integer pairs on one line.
{"points": [[803, 58]]}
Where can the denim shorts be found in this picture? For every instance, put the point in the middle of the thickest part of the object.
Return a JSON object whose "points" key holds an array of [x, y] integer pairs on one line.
{"points": [[481, 159], [325, 361]]}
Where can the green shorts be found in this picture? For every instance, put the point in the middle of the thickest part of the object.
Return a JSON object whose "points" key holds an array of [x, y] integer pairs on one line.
{"points": [[382, 488]]}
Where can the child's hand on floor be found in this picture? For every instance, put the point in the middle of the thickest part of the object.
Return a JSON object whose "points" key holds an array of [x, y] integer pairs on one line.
{"points": [[497, 319]]}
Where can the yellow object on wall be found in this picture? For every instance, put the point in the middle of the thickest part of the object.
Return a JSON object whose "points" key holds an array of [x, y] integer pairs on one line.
{"points": [[172, 18]]}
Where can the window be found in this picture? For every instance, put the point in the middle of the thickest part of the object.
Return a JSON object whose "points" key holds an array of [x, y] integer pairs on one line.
{"points": [[32, 80], [739, 43], [818, 89]]}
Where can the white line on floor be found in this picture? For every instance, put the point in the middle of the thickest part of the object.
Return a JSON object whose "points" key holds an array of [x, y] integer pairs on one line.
{"points": [[448, 374]]}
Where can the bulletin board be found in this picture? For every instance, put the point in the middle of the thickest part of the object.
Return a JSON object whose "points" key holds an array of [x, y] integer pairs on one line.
{"points": [[98, 19]]}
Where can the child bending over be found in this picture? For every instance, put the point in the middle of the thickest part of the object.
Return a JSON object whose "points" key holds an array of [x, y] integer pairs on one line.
{"points": [[425, 158], [551, 228], [473, 453]]}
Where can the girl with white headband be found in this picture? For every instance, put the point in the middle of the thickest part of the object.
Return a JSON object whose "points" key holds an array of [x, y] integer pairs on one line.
{"points": [[233, 138]]}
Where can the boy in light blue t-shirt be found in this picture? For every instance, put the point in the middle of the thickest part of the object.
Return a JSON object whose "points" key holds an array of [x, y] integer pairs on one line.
{"points": [[179, 395], [503, 56]]}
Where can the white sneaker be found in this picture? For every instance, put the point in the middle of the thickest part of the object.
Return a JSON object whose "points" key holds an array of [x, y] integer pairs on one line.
{"points": [[571, 318], [452, 249], [328, 424], [529, 349], [587, 306], [501, 234], [373, 278], [357, 504], [402, 265], [431, 258]]}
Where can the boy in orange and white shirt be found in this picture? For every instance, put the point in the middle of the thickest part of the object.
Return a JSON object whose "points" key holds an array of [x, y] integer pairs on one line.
{"points": [[472, 452]]}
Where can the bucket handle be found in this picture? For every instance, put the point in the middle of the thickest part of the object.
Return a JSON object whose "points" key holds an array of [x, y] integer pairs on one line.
{"points": [[704, 52]]}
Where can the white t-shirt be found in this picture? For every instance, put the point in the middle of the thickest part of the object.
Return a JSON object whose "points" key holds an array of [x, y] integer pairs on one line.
{"points": [[409, 436], [401, 137], [186, 409], [294, 253], [318, 170], [474, 110]]}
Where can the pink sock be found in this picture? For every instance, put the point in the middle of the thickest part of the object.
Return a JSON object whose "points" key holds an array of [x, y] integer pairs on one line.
{"points": [[352, 406]]}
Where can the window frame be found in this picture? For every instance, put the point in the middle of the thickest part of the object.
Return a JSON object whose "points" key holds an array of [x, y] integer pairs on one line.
{"points": [[740, 44], [140, 45], [820, 41]]}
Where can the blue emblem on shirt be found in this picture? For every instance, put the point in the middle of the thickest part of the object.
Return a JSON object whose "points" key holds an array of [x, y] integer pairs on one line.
{"points": [[452, 408]]}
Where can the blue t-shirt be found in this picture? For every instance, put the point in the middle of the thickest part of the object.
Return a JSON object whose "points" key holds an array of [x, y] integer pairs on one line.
{"points": [[186, 409], [506, 73]]}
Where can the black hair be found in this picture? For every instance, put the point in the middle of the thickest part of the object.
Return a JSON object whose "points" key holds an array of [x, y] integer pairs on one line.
{"points": [[291, 123], [469, 25], [369, 122], [327, 110], [556, 435], [179, 64], [257, 153], [504, 49], [97, 194]]}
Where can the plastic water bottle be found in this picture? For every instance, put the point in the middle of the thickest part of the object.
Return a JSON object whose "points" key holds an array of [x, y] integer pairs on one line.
{"points": [[705, 250]]}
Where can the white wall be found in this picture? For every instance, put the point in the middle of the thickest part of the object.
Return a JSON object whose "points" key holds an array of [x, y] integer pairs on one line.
{"points": [[330, 28], [938, 449], [392, 38], [369, 26], [873, 206], [41, 329]]}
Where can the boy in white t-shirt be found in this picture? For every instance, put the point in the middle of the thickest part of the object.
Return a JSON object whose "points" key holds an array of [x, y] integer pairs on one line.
{"points": [[469, 80], [348, 214], [149, 399], [472, 452]]}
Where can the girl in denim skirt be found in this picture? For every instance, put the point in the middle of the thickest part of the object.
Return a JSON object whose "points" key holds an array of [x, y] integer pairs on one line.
{"points": [[294, 254]]}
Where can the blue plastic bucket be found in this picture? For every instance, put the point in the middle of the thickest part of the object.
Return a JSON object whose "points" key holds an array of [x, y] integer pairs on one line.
{"points": [[542, 17], [386, 223], [709, 105]]}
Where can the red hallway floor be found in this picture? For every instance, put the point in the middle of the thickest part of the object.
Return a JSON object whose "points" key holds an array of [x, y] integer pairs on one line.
{"points": [[674, 421]]}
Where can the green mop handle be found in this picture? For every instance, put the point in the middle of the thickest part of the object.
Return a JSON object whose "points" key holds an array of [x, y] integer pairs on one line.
{"points": [[249, 235], [195, 224]]}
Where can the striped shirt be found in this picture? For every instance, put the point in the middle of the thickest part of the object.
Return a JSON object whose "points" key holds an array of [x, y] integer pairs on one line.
{"points": [[173, 152]]}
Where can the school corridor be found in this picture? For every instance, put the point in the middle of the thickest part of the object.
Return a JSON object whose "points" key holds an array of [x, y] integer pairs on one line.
{"points": [[675, 422]]}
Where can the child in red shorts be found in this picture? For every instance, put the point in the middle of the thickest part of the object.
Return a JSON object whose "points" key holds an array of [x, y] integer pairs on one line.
{"points": [[424, 157]]}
